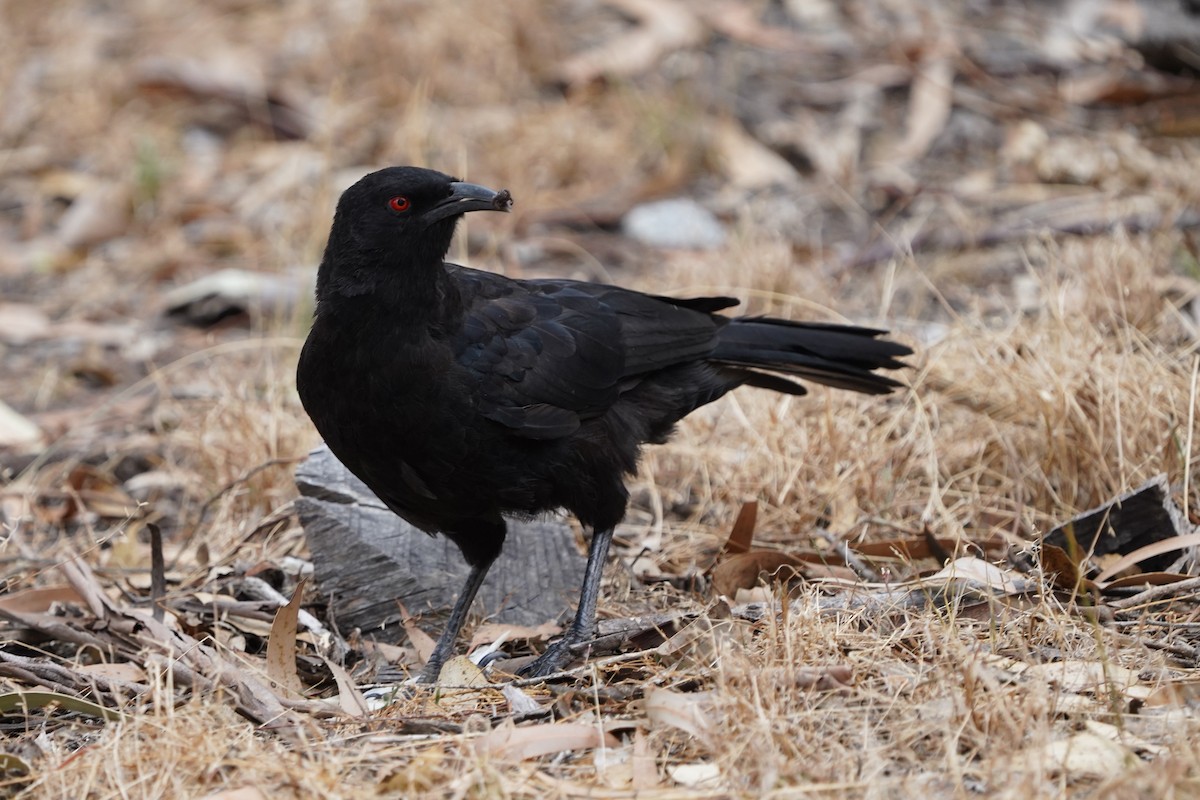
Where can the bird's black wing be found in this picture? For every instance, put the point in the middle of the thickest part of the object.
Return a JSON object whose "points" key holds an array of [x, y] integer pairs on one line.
{"points": [[547, 355]]}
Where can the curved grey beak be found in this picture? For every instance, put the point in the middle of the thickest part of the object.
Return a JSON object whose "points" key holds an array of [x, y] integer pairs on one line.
{"points": [[466, 197]]}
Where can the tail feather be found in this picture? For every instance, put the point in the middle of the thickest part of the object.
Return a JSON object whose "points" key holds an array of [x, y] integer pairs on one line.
{"points": [[842, 356]]}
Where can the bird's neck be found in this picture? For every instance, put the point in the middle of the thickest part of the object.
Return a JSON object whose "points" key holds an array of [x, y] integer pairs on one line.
{"points": [[402, 288], [404, 271]]}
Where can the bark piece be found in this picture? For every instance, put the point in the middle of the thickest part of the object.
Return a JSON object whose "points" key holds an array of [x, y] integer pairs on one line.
{"points": [[1135, 519]]}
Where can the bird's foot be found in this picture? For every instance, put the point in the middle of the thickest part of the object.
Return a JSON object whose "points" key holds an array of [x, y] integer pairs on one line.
{"points": [[548, 662], [556, 656]]}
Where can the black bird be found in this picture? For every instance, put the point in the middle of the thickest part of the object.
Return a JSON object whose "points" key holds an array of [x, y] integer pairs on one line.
{"points": [[459, 396]]}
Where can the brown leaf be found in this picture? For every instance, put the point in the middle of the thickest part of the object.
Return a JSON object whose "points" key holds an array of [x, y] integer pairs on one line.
{"points": [[231, 77], [1061, 568], [421, 641], [1146, 579], [972, 571], [1083, 756], [1180, 692], [510, 743], [461, 671], [124, 671], [644, 769], [663, 26], [99, 214], [929, 103], [742, 535], [36, 601], [911, 549], [519, 701], [281, 644], [390, 653], [1149, 551], [1077, 675], [747, 570], [690, 712], [746, 161], [350, 699], [706, 638], [493, 631]]}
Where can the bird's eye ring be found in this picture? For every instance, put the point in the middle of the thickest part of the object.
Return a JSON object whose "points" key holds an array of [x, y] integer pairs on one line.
{"points": [[399, 204]]}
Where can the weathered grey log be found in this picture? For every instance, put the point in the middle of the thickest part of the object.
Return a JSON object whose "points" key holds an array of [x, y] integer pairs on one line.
{"points": [[367, 560], [1135, 519]]}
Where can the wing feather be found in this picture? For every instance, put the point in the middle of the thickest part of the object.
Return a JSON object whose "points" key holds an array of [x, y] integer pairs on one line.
{"points": [[547, 355]]}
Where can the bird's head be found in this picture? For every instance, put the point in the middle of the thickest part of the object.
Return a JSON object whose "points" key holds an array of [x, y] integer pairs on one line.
{"points": [[399, 218]]}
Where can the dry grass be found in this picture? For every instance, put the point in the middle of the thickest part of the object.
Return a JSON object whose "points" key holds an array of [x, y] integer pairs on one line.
{"points": [[1052, 373]]}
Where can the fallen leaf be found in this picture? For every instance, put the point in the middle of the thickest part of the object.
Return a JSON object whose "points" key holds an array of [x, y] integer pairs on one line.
{"points": [[422, 642], [1062, 570], [519, 701], [1087, 755], [1123, 737], [747, 162], [973, 571], [1077, 675], [281, 644], [1181, 693], [929, 102], [461, 671], [742, 535], [125, 671], [492, 632], [99, 214], [510, 743], [1148, 551], [613, 766], [13, 764], [12, 701], [229, 76], [643, 765], [16, 430], [747, 570], [350, 699], [706, 638], [689, 712], [663, 26], [39, 600], [1146, 579], [910, 549], [392, 654], [701, 775], [230, 292]]}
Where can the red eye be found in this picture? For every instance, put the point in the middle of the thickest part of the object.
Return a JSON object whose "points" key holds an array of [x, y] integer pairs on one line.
{"points": [[399, 204]]}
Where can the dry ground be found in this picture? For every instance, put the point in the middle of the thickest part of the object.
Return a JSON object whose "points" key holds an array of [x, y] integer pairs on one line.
{"points": [[1010, 189]]}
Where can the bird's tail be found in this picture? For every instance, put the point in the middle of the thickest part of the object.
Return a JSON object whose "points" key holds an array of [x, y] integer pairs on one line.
{"points": [[842, 356]]}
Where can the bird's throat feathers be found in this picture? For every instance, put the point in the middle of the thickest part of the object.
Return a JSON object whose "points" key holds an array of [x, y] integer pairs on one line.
{"points": [[400, 271]]}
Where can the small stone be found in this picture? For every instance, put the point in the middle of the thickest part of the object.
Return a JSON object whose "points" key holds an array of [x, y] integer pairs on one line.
{"points": [[676, 223]]}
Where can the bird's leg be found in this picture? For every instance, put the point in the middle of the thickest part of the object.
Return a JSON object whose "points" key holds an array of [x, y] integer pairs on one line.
{"points": [[458, 615], [585, 616]]}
